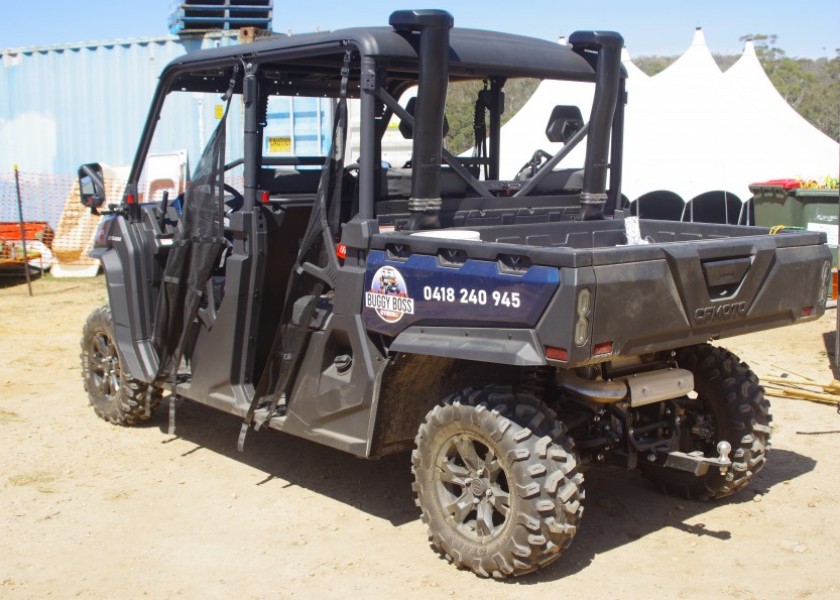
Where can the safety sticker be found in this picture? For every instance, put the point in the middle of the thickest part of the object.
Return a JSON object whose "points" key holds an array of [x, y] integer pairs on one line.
{"points": [[388, 295], [830, 231]]}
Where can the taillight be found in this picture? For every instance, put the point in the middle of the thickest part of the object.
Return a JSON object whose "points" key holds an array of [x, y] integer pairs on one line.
{"points": [[604, 348], [584, 307], [556, 353]]}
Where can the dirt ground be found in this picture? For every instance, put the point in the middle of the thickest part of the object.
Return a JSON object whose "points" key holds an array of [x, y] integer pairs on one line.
{"points": [[92, 510]]}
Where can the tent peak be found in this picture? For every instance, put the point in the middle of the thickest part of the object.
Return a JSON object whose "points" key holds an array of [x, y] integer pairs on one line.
{"points": [[695, 68], [749, 48]]}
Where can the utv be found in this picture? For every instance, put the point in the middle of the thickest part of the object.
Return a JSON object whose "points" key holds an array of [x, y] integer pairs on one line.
{"points": [[511, 332]]}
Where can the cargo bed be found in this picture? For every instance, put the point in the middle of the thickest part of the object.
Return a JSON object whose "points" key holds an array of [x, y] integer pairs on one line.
{"points": [[691, 283]]}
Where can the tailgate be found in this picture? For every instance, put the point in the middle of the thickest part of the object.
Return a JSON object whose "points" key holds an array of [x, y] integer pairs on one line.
{"points": [[688, 292]]}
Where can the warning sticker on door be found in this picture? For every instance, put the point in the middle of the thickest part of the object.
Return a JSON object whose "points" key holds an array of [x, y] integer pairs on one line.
{"points": [[388, 295]]}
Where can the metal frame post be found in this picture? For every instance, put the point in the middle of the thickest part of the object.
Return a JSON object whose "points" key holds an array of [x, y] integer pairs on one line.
{"points": [[22, 232]]}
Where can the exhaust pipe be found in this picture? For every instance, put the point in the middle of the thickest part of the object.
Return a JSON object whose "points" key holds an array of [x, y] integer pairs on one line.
{"points": [[639, 389], [600, 391], [608, 45], [433, 27]]}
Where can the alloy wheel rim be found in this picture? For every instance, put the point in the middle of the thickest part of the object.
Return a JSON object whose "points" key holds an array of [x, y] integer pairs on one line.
{"points": [[472, 487], [104, 365]]}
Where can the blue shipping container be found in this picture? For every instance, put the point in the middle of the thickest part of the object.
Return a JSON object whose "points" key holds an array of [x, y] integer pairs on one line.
{"points": [[64, 105]]}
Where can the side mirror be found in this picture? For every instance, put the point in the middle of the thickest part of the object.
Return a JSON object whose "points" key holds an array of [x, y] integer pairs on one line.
{"points": [[565, 121], [91, 186]]}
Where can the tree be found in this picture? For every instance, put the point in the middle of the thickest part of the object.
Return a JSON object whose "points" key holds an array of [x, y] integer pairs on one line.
{"points": [[652, 65], [460, 109], [811, 87], [828, 117], [789, 76]]}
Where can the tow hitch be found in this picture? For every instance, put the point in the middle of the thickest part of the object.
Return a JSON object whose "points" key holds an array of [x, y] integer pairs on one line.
{"points": [[696, 463]]}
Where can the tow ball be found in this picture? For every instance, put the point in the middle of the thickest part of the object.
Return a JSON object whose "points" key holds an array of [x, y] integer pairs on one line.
{"points": [[696, 463]]}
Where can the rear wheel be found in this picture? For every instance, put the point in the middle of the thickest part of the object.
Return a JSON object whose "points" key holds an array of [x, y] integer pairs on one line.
{"points": [[497, 482], [729, 405], [114, 394]]}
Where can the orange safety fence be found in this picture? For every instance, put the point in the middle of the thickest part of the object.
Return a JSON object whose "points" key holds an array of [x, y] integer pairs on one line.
{"points": [[57, 226]]}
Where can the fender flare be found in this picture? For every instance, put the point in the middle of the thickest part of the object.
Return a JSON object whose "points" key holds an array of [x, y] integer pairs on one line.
{"points": [[519, 347]]}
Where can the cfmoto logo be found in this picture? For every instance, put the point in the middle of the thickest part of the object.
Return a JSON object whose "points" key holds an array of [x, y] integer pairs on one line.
{"points": [[722, 312]]}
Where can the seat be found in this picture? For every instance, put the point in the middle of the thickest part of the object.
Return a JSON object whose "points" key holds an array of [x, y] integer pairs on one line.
{"points": [[396, 183], [289, 180], [562, 180]]}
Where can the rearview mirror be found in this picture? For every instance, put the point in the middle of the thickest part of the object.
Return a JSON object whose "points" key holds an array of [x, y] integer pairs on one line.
{"points": [[91, 186], [565, 121]]}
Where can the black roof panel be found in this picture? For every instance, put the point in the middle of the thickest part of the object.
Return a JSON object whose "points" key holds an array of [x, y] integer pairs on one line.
{"points": [[473, 53]]}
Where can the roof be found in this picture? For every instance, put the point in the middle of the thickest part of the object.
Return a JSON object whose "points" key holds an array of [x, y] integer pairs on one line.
{"points": [[473, 53]]}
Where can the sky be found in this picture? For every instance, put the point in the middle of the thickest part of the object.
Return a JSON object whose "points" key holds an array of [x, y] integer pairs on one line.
{"points": [[807, 28]]}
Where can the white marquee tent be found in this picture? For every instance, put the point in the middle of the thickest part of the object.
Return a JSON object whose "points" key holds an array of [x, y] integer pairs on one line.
{"points": [[689, 129]]}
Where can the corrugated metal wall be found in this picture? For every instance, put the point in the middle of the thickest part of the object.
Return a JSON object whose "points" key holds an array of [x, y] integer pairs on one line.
{"points": [[61, 106]]}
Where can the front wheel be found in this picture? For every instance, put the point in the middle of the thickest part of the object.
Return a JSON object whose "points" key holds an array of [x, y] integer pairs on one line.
{"points": [[114, 394], [497, 482], [729, 405]]}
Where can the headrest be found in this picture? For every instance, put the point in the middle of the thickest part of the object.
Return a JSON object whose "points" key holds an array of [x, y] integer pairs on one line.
{"points": [[406, 130]]}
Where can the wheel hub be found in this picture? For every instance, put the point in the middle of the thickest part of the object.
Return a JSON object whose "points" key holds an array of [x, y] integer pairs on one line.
{"points": [[473, 487], [478, 486]]}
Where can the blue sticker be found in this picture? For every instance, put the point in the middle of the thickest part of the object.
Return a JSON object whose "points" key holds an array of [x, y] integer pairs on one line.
{"points": [[421, 291]]}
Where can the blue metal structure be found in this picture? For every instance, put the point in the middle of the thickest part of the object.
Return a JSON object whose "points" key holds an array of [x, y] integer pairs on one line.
{"points": [[64, 105], [68, 104]]}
